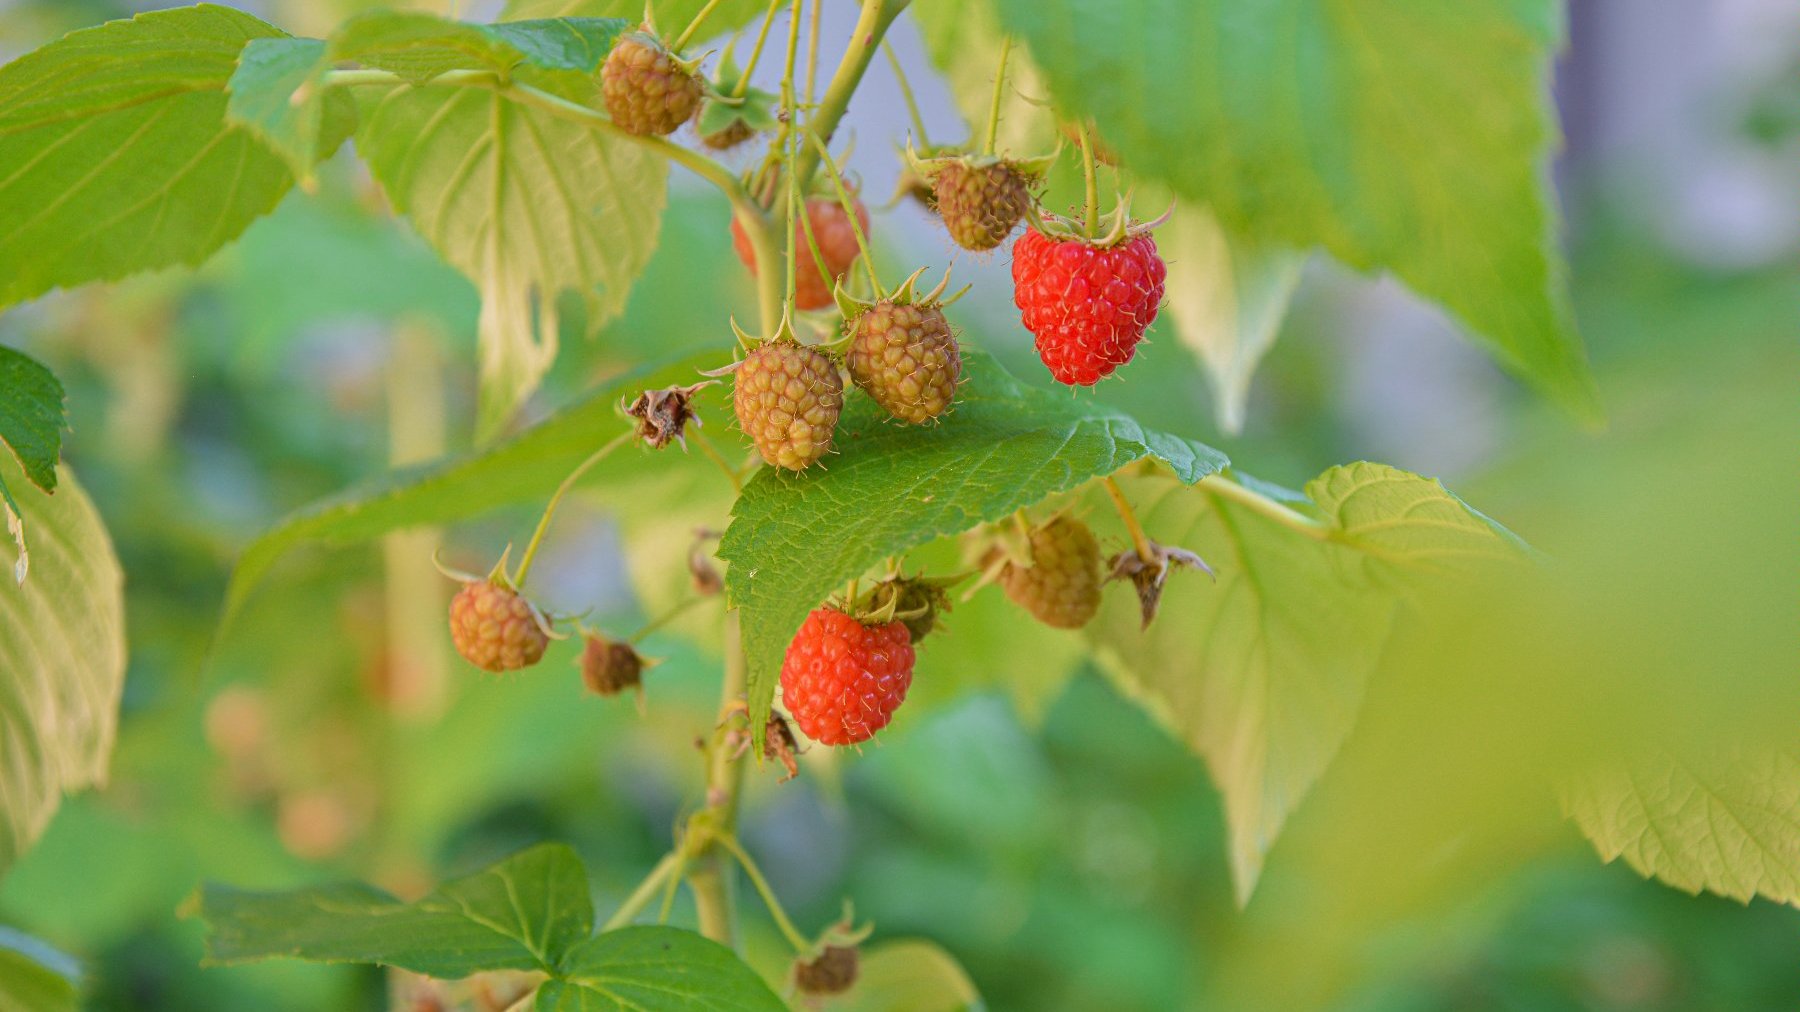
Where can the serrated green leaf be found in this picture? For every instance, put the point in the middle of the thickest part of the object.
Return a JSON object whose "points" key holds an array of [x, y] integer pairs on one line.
{"points": [[910, 976], [419, 46], [31, 416], [796, 538], [523, 913], [35, 977], [115, 156], [62, 662], [276, 93], [1227, 298], [672, 16], [654, 969], [524, 203], [524, 468], [1726, 821], [1401, 136], [1263, 672]]}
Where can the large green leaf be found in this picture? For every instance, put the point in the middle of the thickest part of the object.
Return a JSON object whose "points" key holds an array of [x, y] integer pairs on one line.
{"points": [[34, 977], [276, 93], [1227, 297], [656, 970], [419, 46], [1726, 820], [796, 538], [1264, 672], [527, 204], [62, 662], [115, 156], [1402, 136], [521, 914], [524, 468]]}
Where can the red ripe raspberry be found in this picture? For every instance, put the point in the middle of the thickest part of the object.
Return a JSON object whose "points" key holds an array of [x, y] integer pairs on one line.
{"points": [[842, 680], [1087, 306], [837, 247], [787, 398], [907, 359], [495, 628], [646, 89], [1061, 587]]}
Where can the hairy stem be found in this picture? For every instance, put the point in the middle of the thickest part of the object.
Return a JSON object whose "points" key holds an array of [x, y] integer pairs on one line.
{"points": [[800, 942], [871, 25], [843, 195], [1135, 529], [1090, 177], [537, 536], [1256, 502], [714, 902], [762, 35], [644, 893], [687, 34], [906, 92], [993, 120]]}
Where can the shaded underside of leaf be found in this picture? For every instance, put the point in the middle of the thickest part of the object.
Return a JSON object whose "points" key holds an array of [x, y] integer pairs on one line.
{"points": [[31, 416], [796, 538], [1727, 823], [1263, 672], [62, 661]]}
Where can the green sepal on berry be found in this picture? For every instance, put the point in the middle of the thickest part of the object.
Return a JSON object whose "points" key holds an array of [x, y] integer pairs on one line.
{"points": [[732, 112], [981, 199], [917, 601]]}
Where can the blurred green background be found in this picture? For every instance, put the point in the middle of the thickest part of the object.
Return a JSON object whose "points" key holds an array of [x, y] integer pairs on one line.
{"points": [[1044, 831]]}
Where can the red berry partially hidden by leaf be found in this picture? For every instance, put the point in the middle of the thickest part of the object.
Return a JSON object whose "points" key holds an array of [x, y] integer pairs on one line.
{"points": [[648, 91], [1088, 306], [981, 204], [1061, 586], [787, 397], [837, 247], [906, 358], [843, 680], [495, 628]]}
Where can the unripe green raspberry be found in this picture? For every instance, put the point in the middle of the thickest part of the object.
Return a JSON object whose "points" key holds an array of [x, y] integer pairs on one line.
{"points": [[495, 628], [981, 204], [906, 358], [787, 397], [1061, 587], [647, 90]]}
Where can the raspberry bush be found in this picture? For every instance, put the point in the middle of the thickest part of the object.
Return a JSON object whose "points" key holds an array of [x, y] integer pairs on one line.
{"points": [[824, 477]]}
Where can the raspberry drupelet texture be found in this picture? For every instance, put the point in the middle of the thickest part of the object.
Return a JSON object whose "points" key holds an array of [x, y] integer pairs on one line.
{"points": [[843, 680], [981, 204], [494, 628], [646, 89], [1061, 587], [836, 237], [787, 397], [906, 357], [1087, 306]]}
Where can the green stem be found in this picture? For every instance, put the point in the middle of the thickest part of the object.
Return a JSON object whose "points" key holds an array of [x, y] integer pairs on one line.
{"points": [[1256, 502], [1090, 177], [812, 52], [871, 25], [712, 452], [693, 26], [1136, 530], [800, 942], [993, 122], [912, 104], [664, 619], [843, 195], [537, 536], [713, 901], [644, 893], [762, 36]]}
